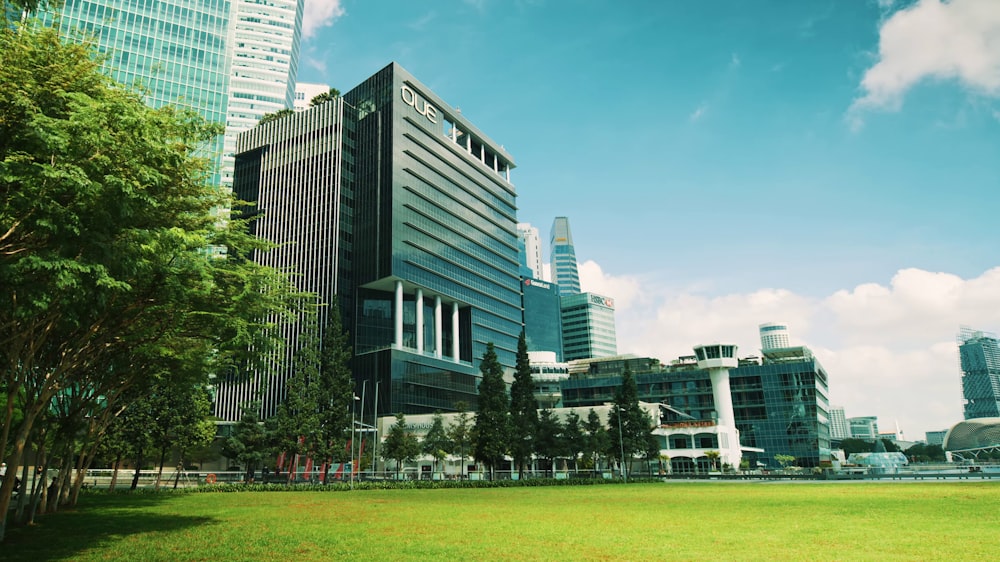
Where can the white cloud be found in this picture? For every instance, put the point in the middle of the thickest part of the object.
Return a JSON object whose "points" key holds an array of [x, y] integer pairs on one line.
{"points": [[734, 61], [318, 14], [699, 112], [889, 349], [957, 40]]}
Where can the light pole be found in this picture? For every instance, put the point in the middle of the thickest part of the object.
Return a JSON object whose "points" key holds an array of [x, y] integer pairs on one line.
{"points": [[621, 443], [356, 398]]}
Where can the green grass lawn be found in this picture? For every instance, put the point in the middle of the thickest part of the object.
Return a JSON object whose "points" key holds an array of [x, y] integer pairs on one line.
{"points": [[675, 520]]}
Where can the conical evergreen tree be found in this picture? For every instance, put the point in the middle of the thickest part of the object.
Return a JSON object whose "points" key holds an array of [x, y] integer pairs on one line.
{"points": [[523, 410], [492, 429]]}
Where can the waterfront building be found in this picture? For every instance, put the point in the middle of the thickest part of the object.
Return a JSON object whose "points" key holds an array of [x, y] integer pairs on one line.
{"points": [[403, 211], [547, 372], [530, 250], [562, 258], [864, 427], [542, 317], [979, 354], [780, 403], [935, 437], [773, 336], [588, 324]]}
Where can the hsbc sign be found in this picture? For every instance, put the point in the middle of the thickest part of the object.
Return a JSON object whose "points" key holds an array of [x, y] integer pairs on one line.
{"points": [[603, 301], [411, 99]]}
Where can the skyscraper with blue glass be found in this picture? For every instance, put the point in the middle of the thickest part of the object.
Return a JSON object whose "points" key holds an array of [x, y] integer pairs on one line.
{"points": [[231, 61], [979, 353], [565, 270]]}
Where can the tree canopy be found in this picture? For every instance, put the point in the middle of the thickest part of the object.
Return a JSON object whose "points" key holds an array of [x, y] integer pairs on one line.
{"points": [[492, 430]]}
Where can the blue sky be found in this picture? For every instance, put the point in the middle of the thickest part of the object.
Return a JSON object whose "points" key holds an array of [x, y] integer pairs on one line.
{"points": [[831, 164]]}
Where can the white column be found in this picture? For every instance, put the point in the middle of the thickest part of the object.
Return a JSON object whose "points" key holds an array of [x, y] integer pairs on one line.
{"points": [[454, 332], [398, 315], [437, 327], [420, 320]]}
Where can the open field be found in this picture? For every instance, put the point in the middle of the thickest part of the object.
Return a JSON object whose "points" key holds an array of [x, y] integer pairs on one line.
{"points": [[675, 520]]}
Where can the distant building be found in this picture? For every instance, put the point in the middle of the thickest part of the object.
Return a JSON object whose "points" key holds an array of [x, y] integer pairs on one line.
{"points": [[542, 316], [979, 354], [530, 250], [773, 336], [305, 92], [864, 427], [779, 404], [839, 428], [588, 324], [565, 269], [935, 437]]}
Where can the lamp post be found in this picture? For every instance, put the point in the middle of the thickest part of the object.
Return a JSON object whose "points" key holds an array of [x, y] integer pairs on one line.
{"points": [[621, 443], [356, 398]]}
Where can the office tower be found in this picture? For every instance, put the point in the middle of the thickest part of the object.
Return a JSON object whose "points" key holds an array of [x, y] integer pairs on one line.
{"points": [[839, 429], [404, 212], [542, 317], [588, 323], [531, 245], [979, 354], [565, 270], [230, 61], [265, 46], [178, 51], [773, 336], [935, 437], [306, 91]]}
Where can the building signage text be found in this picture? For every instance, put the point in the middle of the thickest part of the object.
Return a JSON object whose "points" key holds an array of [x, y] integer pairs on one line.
{"points": [[416, 102], [537, 283], [603, 301]]}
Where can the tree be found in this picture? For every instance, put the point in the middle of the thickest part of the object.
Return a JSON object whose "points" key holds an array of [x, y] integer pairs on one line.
{"points": [[784, 460], [436, 443], [296, 424], [280, 114], [523, 409], [335, 394], [330, 95], [549, 443], [460, 435], [248, 444], [713, 458], [400, 444], [113, 261], [492, 429], [853, 445], [574, 438], [651, 451], [598, 442], [628, 423]]}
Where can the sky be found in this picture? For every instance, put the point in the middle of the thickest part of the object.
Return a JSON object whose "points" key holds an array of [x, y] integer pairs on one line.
{"points": [[834, 165]]}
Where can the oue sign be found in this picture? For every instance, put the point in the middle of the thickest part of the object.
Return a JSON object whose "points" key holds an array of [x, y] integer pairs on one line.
{"points": [[413, 100]]}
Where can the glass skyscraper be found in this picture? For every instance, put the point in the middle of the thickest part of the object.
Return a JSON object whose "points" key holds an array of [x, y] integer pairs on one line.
{"points": [[231, 61], [588, 322], [542, 317], [403, 211], [565, 270], [979, 353]]}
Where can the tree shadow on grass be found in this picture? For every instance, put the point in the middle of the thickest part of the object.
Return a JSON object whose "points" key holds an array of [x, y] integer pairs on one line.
{"points": [[100, 520]]}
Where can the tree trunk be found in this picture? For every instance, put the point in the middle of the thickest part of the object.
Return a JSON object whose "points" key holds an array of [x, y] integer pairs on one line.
{"points": [[159, 473], [138, 467], [114, 474]]}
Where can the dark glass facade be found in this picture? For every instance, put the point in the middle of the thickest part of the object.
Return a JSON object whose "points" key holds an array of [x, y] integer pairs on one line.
{"points": [[424, 219], [979, 354], [781, 407], [542, 317]]}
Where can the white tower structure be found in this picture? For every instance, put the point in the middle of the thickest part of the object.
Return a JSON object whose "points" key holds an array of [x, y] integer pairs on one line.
{"points": [[773, 335], [306, 91], [717, 359], [532, 248]]}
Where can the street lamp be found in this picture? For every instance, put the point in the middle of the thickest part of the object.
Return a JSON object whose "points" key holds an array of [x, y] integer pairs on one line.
{"points": [[621, 443], [356, 398]]}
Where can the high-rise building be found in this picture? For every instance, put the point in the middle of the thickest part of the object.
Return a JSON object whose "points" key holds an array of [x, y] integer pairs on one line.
{"points": [[305, 92], [773, 336], [588, 323], [231, 61], [979, 354], [839, 428], [265, 40], [178, 51], [404, 212], [530, 246], [565, 270], [542, 317]]}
